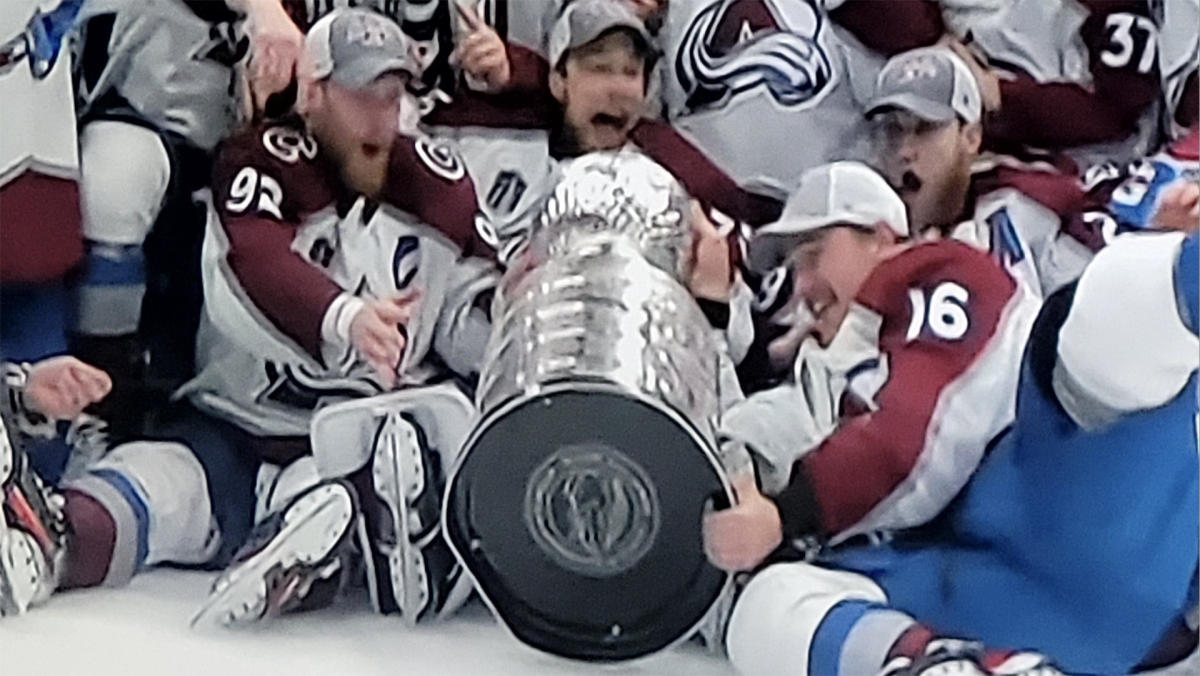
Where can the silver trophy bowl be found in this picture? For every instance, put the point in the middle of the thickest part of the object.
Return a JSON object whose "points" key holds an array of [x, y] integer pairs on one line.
{"points": [[577, 503]]}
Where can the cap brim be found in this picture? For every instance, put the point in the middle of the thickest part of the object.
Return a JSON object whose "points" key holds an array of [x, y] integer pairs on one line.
{"points": [[771, 244], [361, 74], [645, 43], [917, 105]]}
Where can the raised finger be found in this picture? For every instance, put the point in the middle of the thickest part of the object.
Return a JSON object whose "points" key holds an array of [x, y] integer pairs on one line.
{"points": [[469, 16]]}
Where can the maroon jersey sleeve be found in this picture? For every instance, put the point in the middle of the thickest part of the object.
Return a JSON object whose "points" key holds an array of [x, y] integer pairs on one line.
{"points": [[703, 179], [891, 27], [1121, 40], [871, 455], [428, 180], [266, 181], [526, 103]]}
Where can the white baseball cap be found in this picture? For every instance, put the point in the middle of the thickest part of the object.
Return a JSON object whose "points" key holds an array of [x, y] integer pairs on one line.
{"points": [[932, 83], [840, 193]]}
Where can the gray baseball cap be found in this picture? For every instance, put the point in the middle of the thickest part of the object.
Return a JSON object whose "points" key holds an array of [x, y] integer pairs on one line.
{"points": [[353, 47], [933, 83], [586, 20]]}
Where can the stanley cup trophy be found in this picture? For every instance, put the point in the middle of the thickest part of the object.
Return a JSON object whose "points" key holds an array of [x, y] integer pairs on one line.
{"points": [[577, 502]]}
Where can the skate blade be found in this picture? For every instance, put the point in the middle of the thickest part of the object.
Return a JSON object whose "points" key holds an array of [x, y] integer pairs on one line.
{"points": [[243, 597]]}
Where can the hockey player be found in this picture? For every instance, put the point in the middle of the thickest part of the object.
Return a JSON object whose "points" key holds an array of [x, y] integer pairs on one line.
{"points": [[534, 117], [305, 308], [314, 297], [588, 96], [927, 114], [1098, 59], [927, 338], [1075, 537]]}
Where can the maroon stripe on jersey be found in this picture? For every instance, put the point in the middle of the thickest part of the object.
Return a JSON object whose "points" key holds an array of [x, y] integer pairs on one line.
{"points": [[891, 27], [429, 181], [869, 456], [525, 103], [703, 179], [292, 294], [41, 239], [93, 539], [1032, 112]]}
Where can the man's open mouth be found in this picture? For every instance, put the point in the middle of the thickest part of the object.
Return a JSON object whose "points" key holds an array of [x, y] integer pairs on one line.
{"points": [[909, 183], [617, 122]]}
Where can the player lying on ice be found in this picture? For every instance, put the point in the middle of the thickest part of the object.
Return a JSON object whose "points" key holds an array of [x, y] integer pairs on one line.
{"points": [[1071, 533]]}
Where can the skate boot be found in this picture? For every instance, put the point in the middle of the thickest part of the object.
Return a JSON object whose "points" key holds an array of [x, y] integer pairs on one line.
{"points": [[410, 568], [33, 530], [298, 558], [949, 657]]}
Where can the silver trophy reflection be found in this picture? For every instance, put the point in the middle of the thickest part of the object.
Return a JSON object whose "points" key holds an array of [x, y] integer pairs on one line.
{"points": [[577, 503]]}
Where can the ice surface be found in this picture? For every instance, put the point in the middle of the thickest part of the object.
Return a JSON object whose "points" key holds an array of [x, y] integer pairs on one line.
{"points": [[143, 629]]}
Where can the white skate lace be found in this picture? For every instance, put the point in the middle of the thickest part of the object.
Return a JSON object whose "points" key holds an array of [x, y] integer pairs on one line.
{"points": [[88, 439]]}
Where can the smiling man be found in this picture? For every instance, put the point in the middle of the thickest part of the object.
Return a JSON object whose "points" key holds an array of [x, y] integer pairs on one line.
{"points": [[938, 330]]}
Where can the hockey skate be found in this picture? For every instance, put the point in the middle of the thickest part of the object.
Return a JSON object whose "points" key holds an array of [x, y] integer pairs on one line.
{"points": [[33, 531], [410, 568], [297, 558], [964, 658]]}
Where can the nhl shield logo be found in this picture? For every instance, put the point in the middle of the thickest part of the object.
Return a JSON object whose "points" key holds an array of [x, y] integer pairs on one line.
{"points": [[736, 46]]}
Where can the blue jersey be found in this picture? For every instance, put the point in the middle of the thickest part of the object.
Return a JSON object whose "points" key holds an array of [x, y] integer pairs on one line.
{"points": [[1131, 194], [1079, 544]]}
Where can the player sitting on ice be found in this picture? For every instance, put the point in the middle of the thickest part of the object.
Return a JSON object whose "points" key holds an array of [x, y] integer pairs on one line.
{"points": [[311, 299], [1076, 535], [316, 302]]}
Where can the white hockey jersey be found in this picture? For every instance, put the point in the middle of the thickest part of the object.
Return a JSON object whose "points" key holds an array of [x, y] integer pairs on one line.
{"points": [[284, 244], [39, 148], [1023, 215], [767, 88]]}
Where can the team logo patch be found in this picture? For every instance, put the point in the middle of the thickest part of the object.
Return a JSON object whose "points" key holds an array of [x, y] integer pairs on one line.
{"points": [[506, 192], [289, 145], [441, 159], [592, 509], [737, 46]]}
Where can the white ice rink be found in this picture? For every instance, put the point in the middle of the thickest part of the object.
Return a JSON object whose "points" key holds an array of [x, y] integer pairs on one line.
{"points": [[143, 630]]}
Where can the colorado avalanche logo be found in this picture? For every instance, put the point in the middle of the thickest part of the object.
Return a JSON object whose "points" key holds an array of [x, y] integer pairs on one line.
{"points": [[734, 46]]}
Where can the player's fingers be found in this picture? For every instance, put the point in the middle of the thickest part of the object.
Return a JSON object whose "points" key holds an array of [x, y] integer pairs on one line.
{"points": [[386, 374], [47, 400], [95, 382], [389, 313], [407, 305], [473, 52], [469, 16], [386, 341], [492, 62], [744, 487], [70, 401], [378, 353]]}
